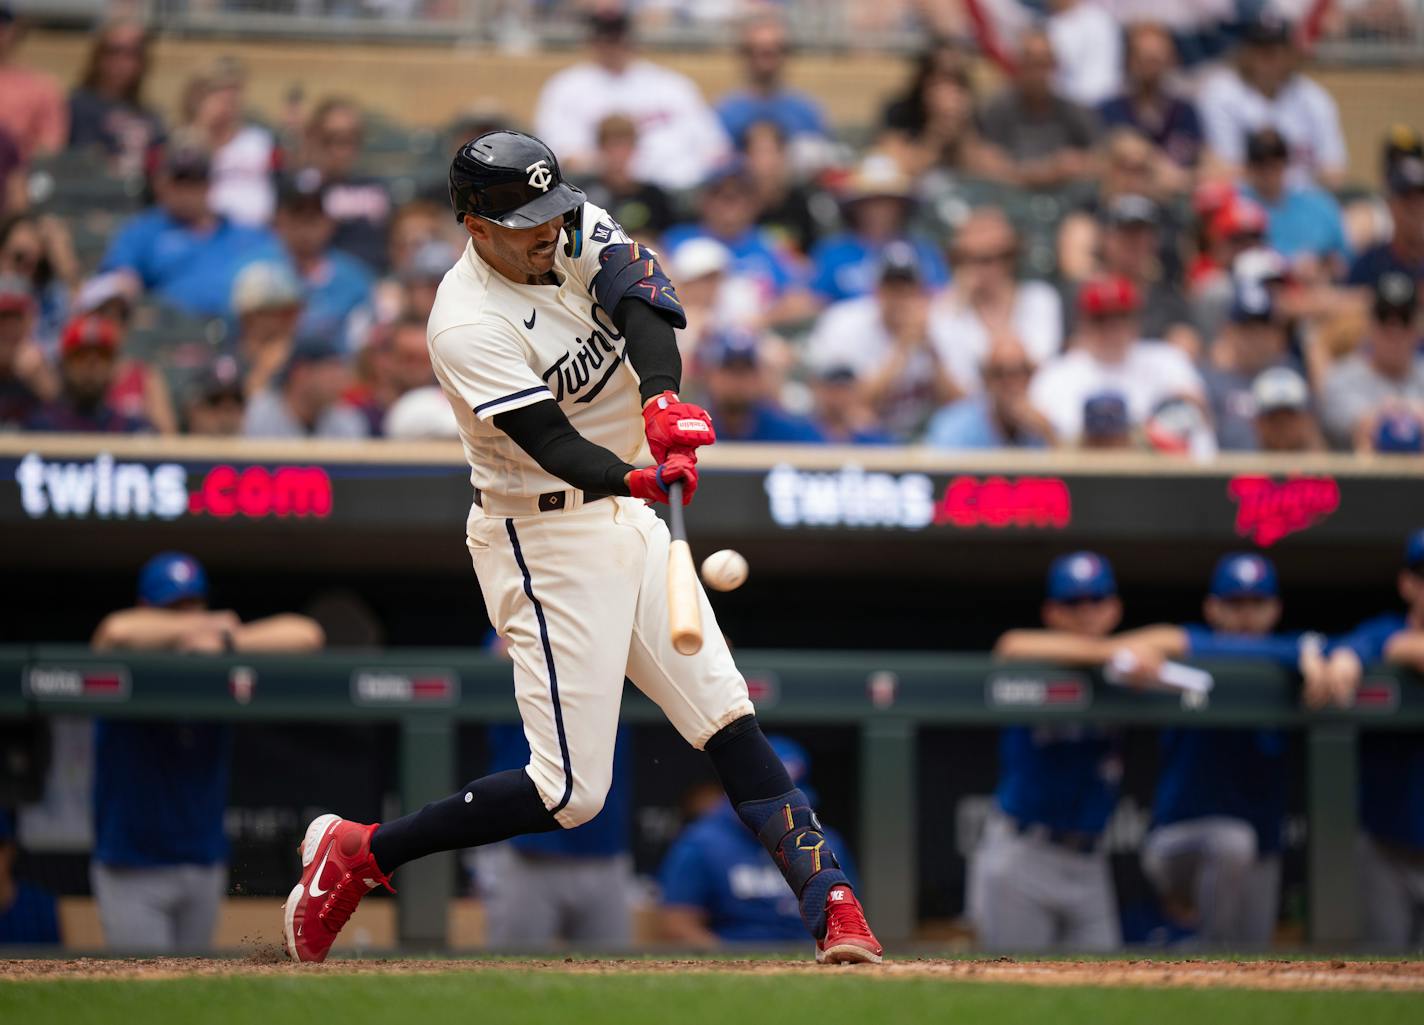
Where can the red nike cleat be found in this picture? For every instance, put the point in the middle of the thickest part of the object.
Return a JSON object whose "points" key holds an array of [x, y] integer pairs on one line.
{"points": [[848, 938], [337, 871]]}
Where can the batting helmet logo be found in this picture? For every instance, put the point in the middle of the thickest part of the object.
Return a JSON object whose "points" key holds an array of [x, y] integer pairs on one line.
{"points": [[540, 177]]}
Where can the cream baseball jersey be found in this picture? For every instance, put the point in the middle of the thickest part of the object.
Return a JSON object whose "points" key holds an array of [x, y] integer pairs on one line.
{"points": [[497, 346]]}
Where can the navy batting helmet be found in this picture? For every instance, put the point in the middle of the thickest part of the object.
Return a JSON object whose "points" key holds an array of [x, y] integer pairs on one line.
{"points": [[171, 577], [511, 179]]}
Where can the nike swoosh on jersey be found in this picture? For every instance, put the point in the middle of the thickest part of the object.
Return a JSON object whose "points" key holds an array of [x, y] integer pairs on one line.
{"points": [[530, 322]]}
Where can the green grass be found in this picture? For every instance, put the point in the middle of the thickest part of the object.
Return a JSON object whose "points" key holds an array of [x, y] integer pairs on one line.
{"points": [[517, 998]]}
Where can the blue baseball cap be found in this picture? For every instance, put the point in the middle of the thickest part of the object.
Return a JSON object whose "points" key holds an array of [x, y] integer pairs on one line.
{"points": [[1105, 415], [1081, 576], [1244, 575], [792, 755], [730, 347], [1399, 432], [171, 577], [1414, 551]]}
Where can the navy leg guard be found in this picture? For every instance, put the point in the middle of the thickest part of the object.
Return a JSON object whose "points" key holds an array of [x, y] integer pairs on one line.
{"points": [[790, 831]]}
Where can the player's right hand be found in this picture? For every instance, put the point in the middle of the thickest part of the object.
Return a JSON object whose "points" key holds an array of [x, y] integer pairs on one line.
{"points": [[651, 482], [670, 424]]}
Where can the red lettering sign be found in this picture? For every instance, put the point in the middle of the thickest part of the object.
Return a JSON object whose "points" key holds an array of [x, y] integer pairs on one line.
{"points": [[998, 502], [257, 492], [1267, 511]]}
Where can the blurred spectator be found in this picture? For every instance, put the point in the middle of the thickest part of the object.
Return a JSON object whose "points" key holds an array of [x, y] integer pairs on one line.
{"points": [[1388, 372], [1148, 105], [884, 339], [1265, 88], [738, 394], [40, 249], [1284, 421], [877, 204], [1106, 424], [360, 205], [1254, 341], [159, 868], [718, 887], [985, 300], [1404, 252], [1303, 220], [414, 227], [1132, 248], [1108, 353], [14, 186], [181, 249], [1087, 43], [1237, 227], [139, 389], [945, 59], [1000, 416], [1039, 878], [421, 277], [267, 302], [23, 374], [795, 215], [713, 296], [1048, 138], [29, 915], [215, 404], [1391, 845], [727, 209], [763, 46], [243, 155], [106, 109], [305, 399], [421, 413], [840, 412], [1398, 432], [88, 355], [394, 364], [336, 287], [938, 131], [643, 209], [680, 139], [34, 113]]}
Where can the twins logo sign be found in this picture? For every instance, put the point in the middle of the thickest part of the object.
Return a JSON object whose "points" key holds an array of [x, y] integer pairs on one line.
{"points": [[540, 177]]}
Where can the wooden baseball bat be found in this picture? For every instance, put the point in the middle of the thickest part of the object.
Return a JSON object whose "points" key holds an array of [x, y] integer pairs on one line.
{"points": [[684, 606]]}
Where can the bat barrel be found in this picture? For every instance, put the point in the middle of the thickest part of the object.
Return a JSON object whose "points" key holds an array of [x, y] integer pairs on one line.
{"points": [[684, 604]]}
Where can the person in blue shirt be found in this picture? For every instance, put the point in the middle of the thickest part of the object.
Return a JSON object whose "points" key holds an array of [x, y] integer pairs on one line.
{"points": [[1001, 416], [159, 867], [29, 916], [1303, 221], [1039, 878], [336, 286], [841, 413], [1147, 104], [764, 48], [1213, 852], [877, 206], [718, 887], [1404, 250], [181, 250], [738, 394], [1391, 849]]}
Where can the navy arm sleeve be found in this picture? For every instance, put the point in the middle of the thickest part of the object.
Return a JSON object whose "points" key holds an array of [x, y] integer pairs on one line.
{"points": [[544, 432], [651, 346]]}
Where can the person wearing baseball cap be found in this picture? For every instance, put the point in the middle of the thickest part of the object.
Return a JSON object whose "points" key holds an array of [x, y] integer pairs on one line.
{"points": [[1105, 422], [1284, 420], [1391, 849], [1387, 370], [1109, 354], [1253, 341], [29, 915], [1303, 220], [215, 403], [1056, 791], [1266, 87], [87, 367], [159, 868], [336, 286], [737, 393], [718, 889], [1403, 253], [1132, 239]]}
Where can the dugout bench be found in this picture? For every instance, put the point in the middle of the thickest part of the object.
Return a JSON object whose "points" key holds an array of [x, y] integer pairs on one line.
{"points": [[888, 696]]}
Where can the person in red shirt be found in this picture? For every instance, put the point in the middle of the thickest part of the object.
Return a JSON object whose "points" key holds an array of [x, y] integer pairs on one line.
{"points": [[34, 112], [88, 352]]}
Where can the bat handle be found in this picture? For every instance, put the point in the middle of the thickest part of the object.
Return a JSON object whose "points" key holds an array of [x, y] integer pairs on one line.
{"points": [[677, 526]]}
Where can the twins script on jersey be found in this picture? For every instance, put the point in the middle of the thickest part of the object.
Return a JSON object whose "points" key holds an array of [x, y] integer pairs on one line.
{"points": [[497, 346]]}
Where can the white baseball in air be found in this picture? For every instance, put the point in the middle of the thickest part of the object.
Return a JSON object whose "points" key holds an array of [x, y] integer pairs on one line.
{"points": [[725, 570]]}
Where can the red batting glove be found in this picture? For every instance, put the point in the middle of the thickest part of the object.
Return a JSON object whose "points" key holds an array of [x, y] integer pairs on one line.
{"points": [[670, 423], [651, 482]]}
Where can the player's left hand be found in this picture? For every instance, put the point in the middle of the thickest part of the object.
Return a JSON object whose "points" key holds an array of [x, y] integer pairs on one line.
{"points": [[671, 423], [651, 482]]}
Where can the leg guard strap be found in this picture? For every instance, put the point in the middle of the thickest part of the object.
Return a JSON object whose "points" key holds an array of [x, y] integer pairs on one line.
{"points": [[791, 833]]}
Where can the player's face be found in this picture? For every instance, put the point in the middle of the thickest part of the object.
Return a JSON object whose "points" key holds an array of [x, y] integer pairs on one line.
{"points": [[1092, 617], [1251, 616], [520, 254]]}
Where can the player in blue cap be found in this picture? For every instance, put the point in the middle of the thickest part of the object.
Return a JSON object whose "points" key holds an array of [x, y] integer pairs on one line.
{"points": [[160, 789], [718, 886], [1040, 878], [1391, 769]]}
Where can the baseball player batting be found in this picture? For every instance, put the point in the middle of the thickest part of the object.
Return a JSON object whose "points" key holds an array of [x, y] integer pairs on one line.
{"points": [[553, 338]]}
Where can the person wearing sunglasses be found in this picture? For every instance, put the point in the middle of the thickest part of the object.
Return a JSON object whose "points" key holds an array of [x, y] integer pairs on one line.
{"points": [[106, 109]]}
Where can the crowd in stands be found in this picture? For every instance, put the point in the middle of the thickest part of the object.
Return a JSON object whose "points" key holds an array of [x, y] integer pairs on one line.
{"points": [[1033, 246]]}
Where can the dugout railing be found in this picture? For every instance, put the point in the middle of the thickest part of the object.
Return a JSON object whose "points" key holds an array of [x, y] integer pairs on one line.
{"points": [[887, 698]]}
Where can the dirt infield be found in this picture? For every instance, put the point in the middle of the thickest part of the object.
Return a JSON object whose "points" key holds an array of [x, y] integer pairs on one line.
{"points": [[1203, 974]]}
